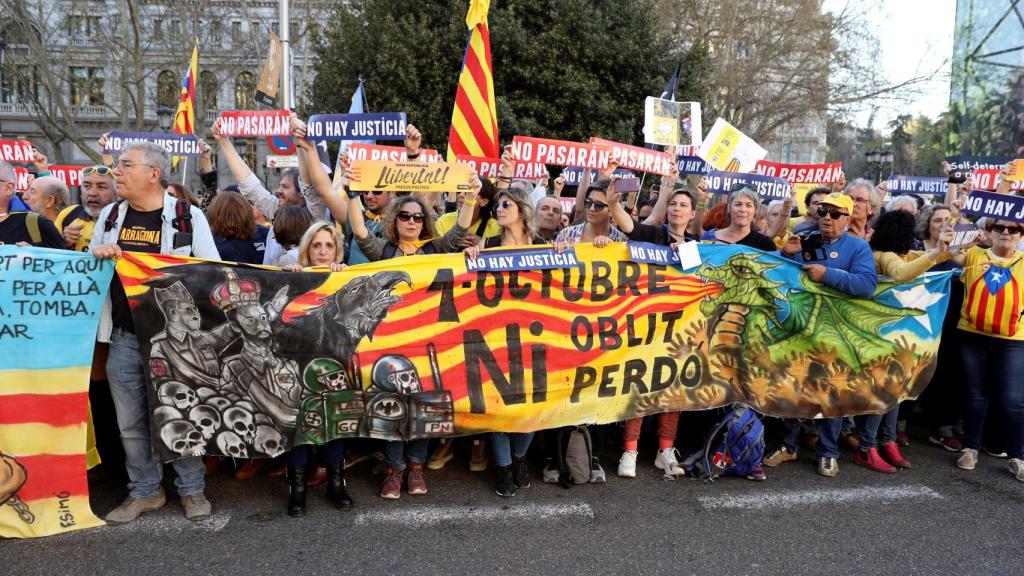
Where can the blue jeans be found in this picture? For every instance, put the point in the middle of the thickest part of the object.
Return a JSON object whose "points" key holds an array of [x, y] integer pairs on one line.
{"points": [[828, 437], [992, 369], [505, 445], [332, 452], [877, 429], [395, 453], [128, 390]]}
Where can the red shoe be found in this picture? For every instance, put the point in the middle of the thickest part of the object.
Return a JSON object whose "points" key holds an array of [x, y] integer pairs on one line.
{"points": [[318, 477], [891, 454], [947, 443], [902, 439], [871, 459], [248, 469], [392, 487], [416, 482]]}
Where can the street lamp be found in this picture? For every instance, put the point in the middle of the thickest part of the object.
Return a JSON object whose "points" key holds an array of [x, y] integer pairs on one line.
{"points": [[164, 115], [876, 159]]}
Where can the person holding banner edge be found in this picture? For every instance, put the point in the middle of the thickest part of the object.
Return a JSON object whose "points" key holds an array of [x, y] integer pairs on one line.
{"points": [[408, 230]]}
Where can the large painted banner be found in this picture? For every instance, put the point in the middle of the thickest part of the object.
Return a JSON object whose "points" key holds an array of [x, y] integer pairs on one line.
{"points": [[50, 301], [244, 361]]}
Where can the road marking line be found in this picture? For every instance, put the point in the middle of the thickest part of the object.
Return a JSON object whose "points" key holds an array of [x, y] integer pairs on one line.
{"points": [[792, 499], [168, 524], [429, 515]]}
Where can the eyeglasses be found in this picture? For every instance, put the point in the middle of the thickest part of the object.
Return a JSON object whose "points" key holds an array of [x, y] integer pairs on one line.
{"points": [[373, 192], [101, 169], [835, 214], [415, 217], [595, 204], [504, 205], [128, 164], [1000, 228]]}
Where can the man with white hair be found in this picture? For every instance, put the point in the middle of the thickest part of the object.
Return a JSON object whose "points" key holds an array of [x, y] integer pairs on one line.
{"points": [[144, 220], [905, 203], [865, 201], [48, 195], [22, 228]]}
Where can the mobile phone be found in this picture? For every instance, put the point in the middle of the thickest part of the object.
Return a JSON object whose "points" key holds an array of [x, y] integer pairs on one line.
{"points": [[630, 190]]}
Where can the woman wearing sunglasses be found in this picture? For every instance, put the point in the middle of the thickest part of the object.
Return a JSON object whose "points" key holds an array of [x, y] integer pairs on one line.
{"points": [[891, 246], [992, 342], [514, 212], [742, 209], [408, 230]]}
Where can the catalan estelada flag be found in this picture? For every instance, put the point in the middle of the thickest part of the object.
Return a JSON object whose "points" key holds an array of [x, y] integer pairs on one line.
{"points": [[185, 116], [47, 341], [474, 129]]}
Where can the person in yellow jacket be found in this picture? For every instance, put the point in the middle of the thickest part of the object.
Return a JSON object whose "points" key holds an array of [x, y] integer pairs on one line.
{"points": [[77, 222]]}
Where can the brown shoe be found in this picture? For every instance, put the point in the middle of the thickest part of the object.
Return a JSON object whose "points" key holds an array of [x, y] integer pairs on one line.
{"points": [[212, 464], [416, 482], [478, 457], [249, 469], [851, 441], [318, 477]]}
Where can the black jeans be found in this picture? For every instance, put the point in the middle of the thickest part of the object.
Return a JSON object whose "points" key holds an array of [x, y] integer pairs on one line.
{"points": [[991, 371]]}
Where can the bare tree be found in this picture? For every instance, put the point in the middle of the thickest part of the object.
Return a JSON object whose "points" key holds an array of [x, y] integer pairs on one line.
{"points": [[778, 61]]}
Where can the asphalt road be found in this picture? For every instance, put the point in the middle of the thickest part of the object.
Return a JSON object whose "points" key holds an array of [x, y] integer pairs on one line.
{"points": [[934, 519]]}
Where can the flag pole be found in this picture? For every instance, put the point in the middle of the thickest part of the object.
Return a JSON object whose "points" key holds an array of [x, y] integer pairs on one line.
{"points": [[184, 171]]}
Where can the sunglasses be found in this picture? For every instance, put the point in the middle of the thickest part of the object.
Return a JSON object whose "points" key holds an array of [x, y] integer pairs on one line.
{"points": [[834, 214], [100, 169], [406, 216], [1000, 228], [596, 205], [504, 205], [373, 192]]}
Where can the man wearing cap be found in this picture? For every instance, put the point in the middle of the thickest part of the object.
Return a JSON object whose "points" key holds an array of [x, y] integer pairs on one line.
{"points": [[838, 259]]}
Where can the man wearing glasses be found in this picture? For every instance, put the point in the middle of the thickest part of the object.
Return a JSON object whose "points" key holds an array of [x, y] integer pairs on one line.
{"points": [[144, 222], [23, 228], [838, 259], [77, 221]]}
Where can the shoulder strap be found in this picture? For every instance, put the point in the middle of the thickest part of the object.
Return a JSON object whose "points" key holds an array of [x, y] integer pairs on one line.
{"points": [[111, 220], [482, 226], [182, 217], [32, 223], [389, 251], [428, 248]]}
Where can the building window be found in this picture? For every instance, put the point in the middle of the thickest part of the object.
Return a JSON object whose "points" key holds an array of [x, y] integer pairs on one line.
{"points": [[158, 28], [21, 86], [86, 86], [208, 89], [175, 29], [245, 91], [167, 90]]}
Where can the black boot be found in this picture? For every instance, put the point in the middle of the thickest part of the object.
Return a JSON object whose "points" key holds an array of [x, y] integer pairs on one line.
{"points": [[504, 486], [296, 491], [519, 474], [336, 492]]}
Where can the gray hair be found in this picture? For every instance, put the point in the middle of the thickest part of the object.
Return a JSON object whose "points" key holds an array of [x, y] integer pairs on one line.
{"points": [[54, 188], [7, 172], [924, 219], [744, 193], [902, 199], [154, 155], [873, 196], [775, 203], [543, 198]]}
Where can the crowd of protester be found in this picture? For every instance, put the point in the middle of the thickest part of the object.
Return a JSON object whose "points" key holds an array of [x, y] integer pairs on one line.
{"points": [[847, 236]]}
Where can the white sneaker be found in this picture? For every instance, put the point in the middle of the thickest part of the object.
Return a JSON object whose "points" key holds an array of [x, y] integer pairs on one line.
{"points": [[627, 464], [1017, 468], [827, 466], [550, 473], [968, 459], [668, 461]]}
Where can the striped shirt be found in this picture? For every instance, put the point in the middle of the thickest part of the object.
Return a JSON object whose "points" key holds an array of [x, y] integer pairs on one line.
{"points": [[573, 234]]}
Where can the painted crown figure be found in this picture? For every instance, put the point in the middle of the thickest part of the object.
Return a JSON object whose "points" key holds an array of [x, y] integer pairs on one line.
{"points": [[182, 351]]}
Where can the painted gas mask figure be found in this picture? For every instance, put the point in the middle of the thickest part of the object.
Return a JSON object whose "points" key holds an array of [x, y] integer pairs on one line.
{"points": [[332, 408]]}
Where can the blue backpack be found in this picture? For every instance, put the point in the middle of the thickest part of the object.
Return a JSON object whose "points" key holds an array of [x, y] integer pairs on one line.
{"points": [[734, 447]]}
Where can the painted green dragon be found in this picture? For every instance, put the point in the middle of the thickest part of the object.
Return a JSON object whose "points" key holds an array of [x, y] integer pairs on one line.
{"points": [[751, 311]]}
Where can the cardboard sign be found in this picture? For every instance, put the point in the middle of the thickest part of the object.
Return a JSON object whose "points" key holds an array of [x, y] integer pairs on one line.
{"points": [[16, 150], [1016, 171], [802, 173], [491, 167], [637, 158], [248, 123], [409, 176], [371, 126], [916, 185], [993, 205], [767, 187], [21, 176], [360, 151], [671, 123], [70, 175], [266, 93], [175, 144], [560, 152], [726, 148]]}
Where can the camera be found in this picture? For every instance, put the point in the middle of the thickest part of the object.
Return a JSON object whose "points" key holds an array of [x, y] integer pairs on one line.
{"points": [[812, 246]]}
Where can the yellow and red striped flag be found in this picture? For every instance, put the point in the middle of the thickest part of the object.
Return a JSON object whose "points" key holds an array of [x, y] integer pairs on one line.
{"points": [[474, 129], [185, 116]]}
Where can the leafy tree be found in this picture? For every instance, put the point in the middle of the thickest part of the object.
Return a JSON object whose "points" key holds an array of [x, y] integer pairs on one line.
{"points": [[566, 69]]}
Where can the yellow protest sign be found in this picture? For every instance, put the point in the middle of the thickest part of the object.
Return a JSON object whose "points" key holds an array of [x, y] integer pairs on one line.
{"points": [[373, 175], [1016, 171]]}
